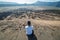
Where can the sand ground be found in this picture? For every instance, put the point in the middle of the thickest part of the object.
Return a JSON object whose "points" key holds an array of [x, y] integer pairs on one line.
{"points": [[43, 29]]}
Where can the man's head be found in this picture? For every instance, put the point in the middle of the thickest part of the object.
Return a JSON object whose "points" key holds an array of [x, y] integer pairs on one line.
{"points": [[29, 23]]}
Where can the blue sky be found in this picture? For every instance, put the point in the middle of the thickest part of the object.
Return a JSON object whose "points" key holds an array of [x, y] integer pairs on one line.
{"points": [[28, 1]]}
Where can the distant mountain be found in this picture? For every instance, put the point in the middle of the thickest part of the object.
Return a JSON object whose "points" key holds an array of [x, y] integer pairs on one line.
{"points": [[7, 2], [58, 4], [38, 3], [3, 4]]}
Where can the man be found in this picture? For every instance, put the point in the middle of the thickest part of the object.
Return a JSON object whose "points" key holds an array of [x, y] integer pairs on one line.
{"points": [[29, 28], [30, 32]]}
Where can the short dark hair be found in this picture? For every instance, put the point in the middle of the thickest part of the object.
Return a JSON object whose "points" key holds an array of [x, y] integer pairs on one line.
{"points": [[29, 23]]}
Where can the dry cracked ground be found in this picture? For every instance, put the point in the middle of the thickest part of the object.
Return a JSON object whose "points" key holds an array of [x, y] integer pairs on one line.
{"points": [[14, 28]]}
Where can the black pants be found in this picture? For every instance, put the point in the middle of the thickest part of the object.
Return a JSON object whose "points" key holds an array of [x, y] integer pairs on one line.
{"points": [[32, 36]]}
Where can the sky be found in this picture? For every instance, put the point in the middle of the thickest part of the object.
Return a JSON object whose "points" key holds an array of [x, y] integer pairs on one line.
{"points": [[28, 1]]}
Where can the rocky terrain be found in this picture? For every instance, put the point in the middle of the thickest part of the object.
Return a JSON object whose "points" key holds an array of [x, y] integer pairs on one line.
{"points": [[46, 24]]}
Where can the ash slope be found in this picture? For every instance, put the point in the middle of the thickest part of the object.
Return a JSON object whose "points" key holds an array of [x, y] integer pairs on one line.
{"points": [[46, 24]]}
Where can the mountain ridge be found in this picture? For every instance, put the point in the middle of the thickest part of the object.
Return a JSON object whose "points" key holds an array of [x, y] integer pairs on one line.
{"points": [[38, 3]]}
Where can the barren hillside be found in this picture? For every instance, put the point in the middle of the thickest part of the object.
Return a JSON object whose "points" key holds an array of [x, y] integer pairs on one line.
{"points": [[46, 24]]}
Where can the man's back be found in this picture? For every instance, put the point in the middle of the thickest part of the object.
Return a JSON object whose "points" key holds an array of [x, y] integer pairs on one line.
{"points": [[29, 30]]}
